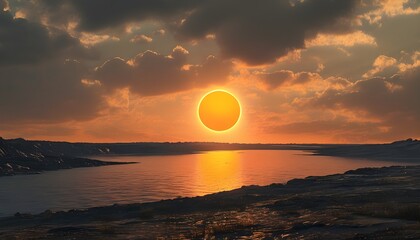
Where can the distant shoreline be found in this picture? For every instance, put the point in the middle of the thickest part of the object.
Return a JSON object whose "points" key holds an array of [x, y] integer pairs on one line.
{"points": [[19, 156]]}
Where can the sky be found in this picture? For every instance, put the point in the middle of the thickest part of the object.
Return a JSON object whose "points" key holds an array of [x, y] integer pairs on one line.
{"points": [[304, 71]]}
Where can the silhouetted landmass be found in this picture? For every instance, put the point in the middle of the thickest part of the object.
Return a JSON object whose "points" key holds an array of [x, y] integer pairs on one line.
{"points": [[369, 203], [19, 156], [406, 150], [136, 148]]}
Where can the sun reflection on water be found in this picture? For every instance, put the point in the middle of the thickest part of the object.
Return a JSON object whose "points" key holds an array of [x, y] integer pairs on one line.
{"points": [[218, 171]]}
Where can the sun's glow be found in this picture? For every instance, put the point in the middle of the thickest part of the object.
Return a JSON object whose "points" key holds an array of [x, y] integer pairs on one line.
{"points": [[218, 171], [219, 110]]}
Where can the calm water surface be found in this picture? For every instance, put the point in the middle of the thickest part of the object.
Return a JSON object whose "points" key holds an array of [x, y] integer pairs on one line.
{"points": [[161, 177]]}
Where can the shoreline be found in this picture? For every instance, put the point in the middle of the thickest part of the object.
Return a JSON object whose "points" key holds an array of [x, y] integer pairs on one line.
{"points": [[358, 204], [363, 201], [18, 156], [9, 169]]}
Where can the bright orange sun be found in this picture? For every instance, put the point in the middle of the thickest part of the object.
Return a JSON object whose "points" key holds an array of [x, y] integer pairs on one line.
{"points": [[219, 110]]}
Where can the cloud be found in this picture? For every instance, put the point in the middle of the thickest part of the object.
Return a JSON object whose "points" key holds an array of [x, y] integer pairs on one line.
{"points": [[391, 8], [150, 73], [38, 80], [141, 39], [96, 15], [409, 62], [368, 110], [25, 42], [160, 32], [89, 39], [253, 31], [41, 86], [399, 7], [346, 40], [285, 77], [394, 101], [50, 92], [381, 63], [387, 66], [263, 34], [380, 96]]}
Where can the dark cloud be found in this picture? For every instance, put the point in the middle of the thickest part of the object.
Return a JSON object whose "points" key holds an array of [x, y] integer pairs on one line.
{"points": [[38, 82], [351, 64], [393, 101], [47, 93], [151, 73], [378, 109], [379, 96], [260, 32], [285, 77], [256, 32], [96, 15], [65, 90], [25, 42], [374, 109]]}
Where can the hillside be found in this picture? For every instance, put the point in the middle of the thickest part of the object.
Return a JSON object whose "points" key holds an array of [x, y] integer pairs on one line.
{"points": [[407, 150], [18, 156]]}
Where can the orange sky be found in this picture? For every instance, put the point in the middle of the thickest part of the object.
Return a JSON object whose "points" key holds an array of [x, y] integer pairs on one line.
{"points": [[346, 74]]}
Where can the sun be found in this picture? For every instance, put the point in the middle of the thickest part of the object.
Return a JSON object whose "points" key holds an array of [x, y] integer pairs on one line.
{"points": [[219, 110]]}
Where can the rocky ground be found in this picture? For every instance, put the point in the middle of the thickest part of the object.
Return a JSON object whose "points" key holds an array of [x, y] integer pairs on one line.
{"points": [[377, 203]]}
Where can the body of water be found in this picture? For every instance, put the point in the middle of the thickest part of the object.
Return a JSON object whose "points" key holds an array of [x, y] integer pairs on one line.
{"points": [[162, 177]]}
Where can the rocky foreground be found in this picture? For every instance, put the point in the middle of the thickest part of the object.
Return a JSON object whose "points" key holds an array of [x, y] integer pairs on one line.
{"points": [[372, 203]]}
